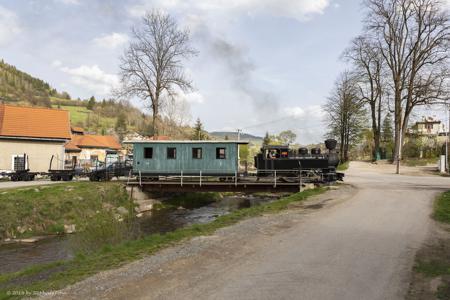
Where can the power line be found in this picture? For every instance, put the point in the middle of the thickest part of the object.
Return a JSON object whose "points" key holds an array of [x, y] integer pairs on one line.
{"points": [[276, 121]]}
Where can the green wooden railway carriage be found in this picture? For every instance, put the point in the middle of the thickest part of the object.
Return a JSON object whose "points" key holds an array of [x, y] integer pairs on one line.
{"points": [[211, 158]]}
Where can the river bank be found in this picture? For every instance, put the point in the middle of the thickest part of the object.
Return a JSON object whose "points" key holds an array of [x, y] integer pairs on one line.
{"points": [[58, 274], [56, 209]]}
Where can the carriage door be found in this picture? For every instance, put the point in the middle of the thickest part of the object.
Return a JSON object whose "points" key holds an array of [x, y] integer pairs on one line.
{"points": [[19, 162]]}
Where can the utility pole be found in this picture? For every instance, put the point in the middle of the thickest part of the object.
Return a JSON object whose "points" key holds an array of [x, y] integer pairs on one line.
{"points": [[239, 134], [447, 141]]}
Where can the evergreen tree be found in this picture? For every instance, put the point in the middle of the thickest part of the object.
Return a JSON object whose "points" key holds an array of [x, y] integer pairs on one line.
{"points": [[121, 126], [121, 123], [267, 139], [91, 103], [388, 135], [199, 133]]}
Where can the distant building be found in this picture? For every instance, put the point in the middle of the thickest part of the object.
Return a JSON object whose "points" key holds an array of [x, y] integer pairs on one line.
{"points": [[88, 149], [429, 126], [37, 132]]}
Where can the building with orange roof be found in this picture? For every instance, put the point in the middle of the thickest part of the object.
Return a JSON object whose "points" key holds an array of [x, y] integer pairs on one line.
{"points": [[40, 133], [87, 149]]}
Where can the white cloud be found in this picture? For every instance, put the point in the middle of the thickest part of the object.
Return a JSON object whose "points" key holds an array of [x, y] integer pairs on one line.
{"points": [[311, 111], [447, 4], [71, 2], [9, 25], [92, 78], [56, 63], [295, 112], [301, 9], [111, 41], [194, 97]]}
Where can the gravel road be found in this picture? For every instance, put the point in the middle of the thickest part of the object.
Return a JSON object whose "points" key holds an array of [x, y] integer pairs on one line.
{"points": [[19, 184], [359, 244]]}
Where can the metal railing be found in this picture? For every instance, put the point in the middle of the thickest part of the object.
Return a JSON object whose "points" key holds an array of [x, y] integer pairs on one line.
{"points": [[202, 177]]}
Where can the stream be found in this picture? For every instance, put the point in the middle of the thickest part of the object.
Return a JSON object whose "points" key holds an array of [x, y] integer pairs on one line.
{"points": [[14, 257]]}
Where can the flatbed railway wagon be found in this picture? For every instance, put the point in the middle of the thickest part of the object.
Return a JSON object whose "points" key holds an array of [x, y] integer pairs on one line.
{"points": [[22, 171]]}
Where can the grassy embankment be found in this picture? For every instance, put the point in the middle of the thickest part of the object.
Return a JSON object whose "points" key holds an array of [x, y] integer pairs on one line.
{"points": [[43, 210], [60, 274], [438, 263]]}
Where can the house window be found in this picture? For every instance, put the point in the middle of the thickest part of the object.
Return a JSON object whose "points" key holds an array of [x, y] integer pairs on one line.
{"points": [[429, 126], [220, 153], [196, 153], [171, 153], [148, 153]]}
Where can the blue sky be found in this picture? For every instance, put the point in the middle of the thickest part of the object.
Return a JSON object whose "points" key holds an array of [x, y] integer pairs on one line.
{"points": [[258, 61]]}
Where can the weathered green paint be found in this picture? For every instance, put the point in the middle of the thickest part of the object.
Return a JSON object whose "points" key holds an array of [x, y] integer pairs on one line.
{"points": [[184, 161]]}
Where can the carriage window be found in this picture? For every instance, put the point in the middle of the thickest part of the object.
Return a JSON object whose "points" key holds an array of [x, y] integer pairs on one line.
{"points": [[148, 153], [220, 153], [171, 153], [197, 153]]}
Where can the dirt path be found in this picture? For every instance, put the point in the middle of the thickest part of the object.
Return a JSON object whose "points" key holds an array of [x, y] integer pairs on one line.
{"points": [[359, 245]]}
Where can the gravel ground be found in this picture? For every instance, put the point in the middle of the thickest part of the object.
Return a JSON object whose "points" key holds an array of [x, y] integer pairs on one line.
{"points": [[357, 242]]}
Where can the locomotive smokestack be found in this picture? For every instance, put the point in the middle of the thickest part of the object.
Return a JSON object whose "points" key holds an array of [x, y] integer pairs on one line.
{"points": [[331, 144]]}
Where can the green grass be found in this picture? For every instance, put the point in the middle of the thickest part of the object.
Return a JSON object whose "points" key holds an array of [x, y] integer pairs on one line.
{"points": [[439, 263], [110, 257], [343, 166], [442, 208], [418, 162], [44, 210], [80, 114]]}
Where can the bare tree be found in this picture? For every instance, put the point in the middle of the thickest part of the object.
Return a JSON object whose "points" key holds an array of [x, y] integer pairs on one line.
{"points": [[345, 114], [152, 65], [413, 36], [369, 63]]}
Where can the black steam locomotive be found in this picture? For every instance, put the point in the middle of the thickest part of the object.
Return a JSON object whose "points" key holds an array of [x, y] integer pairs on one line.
{"points": [[286, 163]]}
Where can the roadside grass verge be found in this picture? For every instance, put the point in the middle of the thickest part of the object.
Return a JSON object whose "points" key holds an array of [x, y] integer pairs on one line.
{"points": [[442, 208], [434, 260], [109, 257], [343, 166], [43, 210], [418, 162]]}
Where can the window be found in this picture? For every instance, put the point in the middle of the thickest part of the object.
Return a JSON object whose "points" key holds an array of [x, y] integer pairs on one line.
{"points": [[220, 153], [171, 153], [148, 153], [196, 153]]}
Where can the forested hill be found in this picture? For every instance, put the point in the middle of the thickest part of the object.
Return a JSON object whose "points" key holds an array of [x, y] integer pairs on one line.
{"points": [[20, 87], [101, 116]]}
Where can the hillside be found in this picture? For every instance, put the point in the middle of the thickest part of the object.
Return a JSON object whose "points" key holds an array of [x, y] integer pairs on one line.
{"points": [[101, 117], [233, 136], [21, 88], [106, 116]]}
